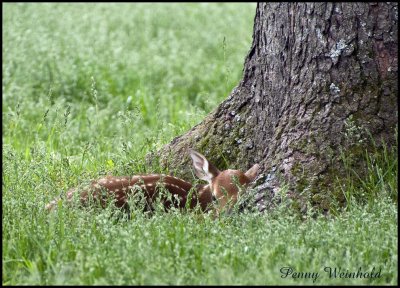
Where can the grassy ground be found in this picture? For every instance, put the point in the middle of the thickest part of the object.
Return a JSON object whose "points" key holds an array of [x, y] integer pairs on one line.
{"points": [[89, 89]]}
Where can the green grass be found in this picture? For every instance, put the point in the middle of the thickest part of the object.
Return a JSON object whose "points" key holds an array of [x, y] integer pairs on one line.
{"points": [[90, 89]]}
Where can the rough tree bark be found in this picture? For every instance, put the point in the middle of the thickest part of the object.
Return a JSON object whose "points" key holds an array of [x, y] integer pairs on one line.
{"points": [[313, 71]]}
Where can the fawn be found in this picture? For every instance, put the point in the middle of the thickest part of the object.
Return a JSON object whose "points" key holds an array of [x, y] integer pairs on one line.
{"points": [[221, 187]]}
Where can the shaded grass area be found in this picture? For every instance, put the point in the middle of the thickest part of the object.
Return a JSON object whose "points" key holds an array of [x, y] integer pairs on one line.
{"points": [[90, 89]]}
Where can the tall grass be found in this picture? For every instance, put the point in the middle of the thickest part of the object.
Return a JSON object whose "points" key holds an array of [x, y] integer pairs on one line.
{"points": [[378, 177], [154, 75], [90, 89]]}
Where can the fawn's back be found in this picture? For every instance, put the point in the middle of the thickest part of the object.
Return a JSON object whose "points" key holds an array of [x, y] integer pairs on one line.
{"points": [[222, 186]]}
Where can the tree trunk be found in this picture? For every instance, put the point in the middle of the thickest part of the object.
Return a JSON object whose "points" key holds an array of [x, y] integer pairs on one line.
{"points": [[315, 75]]}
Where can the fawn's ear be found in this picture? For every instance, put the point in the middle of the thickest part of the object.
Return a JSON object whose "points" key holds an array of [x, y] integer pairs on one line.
{"points": [[252, 172], [202, 168]]}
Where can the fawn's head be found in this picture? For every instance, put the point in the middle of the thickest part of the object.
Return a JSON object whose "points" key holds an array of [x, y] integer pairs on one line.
{"points": [[223, 184]]}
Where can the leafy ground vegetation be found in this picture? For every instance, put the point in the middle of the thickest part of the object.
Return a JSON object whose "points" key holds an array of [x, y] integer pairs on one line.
{"points": [[90, 89]]}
